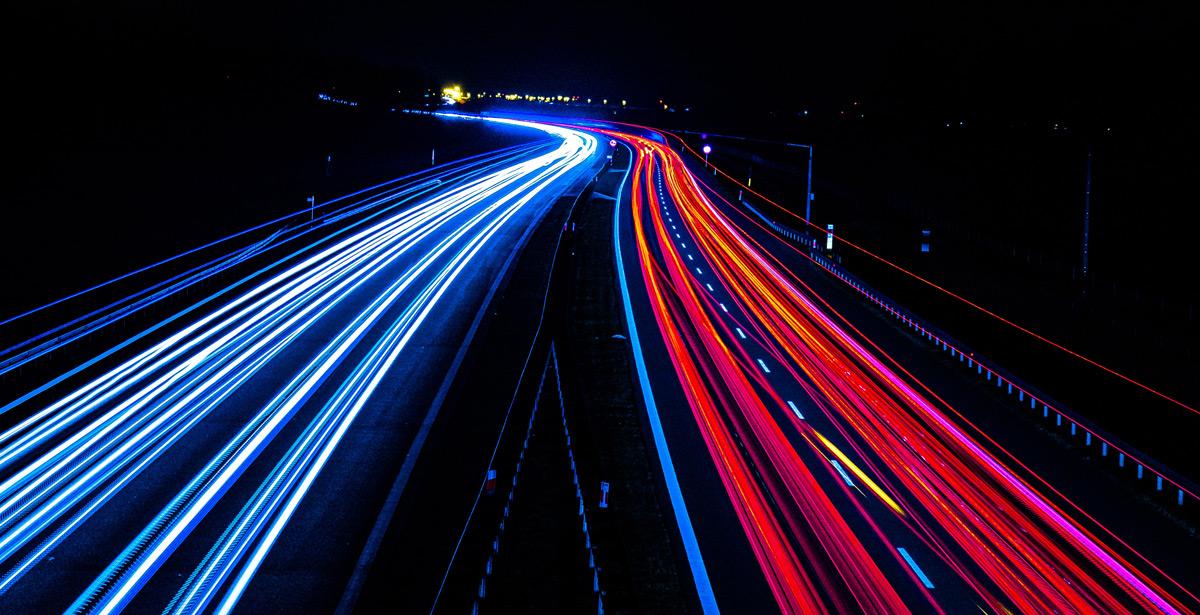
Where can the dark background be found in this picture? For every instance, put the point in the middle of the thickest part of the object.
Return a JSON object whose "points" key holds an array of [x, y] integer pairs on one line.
{"points": [[136, 129]]}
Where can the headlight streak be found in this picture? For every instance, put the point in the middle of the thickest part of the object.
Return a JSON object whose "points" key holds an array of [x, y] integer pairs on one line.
{"points": [[137, 410], [337, 416], [988, 527], [58, 464], [21, 353], [53, 409], [440, 170], [27, 530], [126, 575]]}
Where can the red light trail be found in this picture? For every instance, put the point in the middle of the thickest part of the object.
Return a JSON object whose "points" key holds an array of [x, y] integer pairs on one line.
{"points": [[849, 504], [957, 297]]}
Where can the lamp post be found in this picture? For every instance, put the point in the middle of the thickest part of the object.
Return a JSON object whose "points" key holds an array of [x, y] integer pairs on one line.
{"points": [[1087, 214], [809, 187], [707, 149]]}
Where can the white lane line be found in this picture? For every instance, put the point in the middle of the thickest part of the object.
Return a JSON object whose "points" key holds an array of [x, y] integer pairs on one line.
{"points": [[724, 309], [691, 546], [690, 257], [764, 366], [846, 477], [710, 288], [795, 409], [917, 569], [699, 271], [741, 334]]}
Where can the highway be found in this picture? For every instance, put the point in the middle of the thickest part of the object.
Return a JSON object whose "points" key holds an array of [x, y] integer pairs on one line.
{"points": [[233, 447], [809, 470]]}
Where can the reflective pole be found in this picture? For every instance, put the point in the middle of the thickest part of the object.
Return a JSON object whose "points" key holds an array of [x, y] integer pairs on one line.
{"points": [[808, 197], [1087, 212]]}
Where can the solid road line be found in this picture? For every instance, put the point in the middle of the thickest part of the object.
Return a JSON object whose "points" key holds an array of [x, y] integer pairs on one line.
{"points": [[704, 591]]}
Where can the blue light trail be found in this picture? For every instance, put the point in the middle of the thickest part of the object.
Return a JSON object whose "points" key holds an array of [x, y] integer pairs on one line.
{"points": [[65, 461]]}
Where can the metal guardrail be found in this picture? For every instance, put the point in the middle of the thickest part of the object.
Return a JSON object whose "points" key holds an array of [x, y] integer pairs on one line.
{"points": [[1077, 426], [1024, 394], [489, 568]]}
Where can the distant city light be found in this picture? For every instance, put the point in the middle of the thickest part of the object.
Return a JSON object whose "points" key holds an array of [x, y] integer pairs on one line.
{"points": [[453, 94]]}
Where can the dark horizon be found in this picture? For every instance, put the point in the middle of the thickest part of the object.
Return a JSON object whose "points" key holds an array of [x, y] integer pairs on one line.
{"points": [[1075, 62]]}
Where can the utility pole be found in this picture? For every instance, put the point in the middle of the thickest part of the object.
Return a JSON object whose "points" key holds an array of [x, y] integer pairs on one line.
{"points": [[1087, 213], [312, 207], [809, 187]]}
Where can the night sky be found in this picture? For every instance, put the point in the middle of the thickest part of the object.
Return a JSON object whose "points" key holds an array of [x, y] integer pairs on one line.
{"points": [[1103, 56]]}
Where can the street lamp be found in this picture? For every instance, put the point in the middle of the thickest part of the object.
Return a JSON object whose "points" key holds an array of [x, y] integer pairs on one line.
{"points": [[808, 196]]}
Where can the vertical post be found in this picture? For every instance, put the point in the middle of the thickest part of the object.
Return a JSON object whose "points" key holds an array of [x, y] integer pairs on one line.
{"points": [[808, 197], [1087, 213], [312, 206], [433, 157]]}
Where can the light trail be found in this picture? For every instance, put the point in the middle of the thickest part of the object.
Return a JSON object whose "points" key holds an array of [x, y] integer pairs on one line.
{"points": [[384, 196], [380, 207], [825, 496], [66, 461], [210, 377], [345, 406], [949, 293]]}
